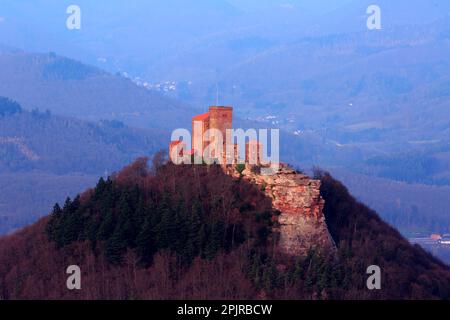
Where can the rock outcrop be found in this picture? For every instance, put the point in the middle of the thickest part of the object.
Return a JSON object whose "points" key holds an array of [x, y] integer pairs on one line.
{"points": [[296, 196]]}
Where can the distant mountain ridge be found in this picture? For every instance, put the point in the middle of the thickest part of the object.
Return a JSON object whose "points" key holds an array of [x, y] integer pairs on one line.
{"points": [[68, 87], [44, 156], [45, 142]]}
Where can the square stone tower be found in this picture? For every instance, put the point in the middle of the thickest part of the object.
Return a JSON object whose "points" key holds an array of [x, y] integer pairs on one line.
{"points": [[218, 117], [221, 118], [200, 124]]}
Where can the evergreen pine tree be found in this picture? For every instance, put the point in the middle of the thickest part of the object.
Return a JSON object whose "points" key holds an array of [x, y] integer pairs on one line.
{"points": [[163, 229], [125, 226], [67, 206], [73, 227], [140, 214], [145, 242], [54, 225], [99, 188], [179, 228], [193, 230], [115, 247], [92, 231], [107, 226]]}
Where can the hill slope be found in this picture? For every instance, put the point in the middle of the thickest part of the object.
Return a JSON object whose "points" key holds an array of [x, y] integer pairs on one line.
{"points": [[68, 87], [194, 232], [44, 157]]}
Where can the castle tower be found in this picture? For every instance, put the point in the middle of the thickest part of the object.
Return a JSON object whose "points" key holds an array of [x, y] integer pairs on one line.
{"points": [[200, 124], [221, 118]]}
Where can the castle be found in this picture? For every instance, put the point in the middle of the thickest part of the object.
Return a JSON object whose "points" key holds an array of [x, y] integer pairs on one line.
{"points": [[211, 135], [301, 223]]}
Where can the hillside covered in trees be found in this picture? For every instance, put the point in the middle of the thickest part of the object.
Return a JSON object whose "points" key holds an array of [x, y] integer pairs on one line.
{"points": [[46, 157], [183, 232]]}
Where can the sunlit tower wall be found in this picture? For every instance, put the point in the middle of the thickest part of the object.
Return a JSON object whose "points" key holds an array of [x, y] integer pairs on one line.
{"points": [[221, 118], [200, 124]]}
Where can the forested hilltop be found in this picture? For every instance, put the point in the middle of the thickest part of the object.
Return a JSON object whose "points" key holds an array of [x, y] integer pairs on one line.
{"points": [[177, 232]]}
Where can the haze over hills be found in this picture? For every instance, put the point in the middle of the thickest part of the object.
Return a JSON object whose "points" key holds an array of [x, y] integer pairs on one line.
{"points": [[158, 28], [47, 153], [68, 87], [44, 157], [410, 207]]}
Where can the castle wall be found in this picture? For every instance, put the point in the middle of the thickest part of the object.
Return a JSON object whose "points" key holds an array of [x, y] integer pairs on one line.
{"points": [[221, 118], [176, 147], [200, 124]]}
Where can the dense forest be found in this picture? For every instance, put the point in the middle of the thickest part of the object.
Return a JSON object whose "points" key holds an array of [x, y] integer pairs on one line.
{"points": [[169, 232]]}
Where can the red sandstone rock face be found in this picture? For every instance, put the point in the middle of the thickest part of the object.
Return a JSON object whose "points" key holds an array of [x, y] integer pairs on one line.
{"points": [[297, 197]]}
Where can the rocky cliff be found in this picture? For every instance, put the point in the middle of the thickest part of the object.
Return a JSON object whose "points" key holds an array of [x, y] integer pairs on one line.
{"points": [[296, 196]]}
